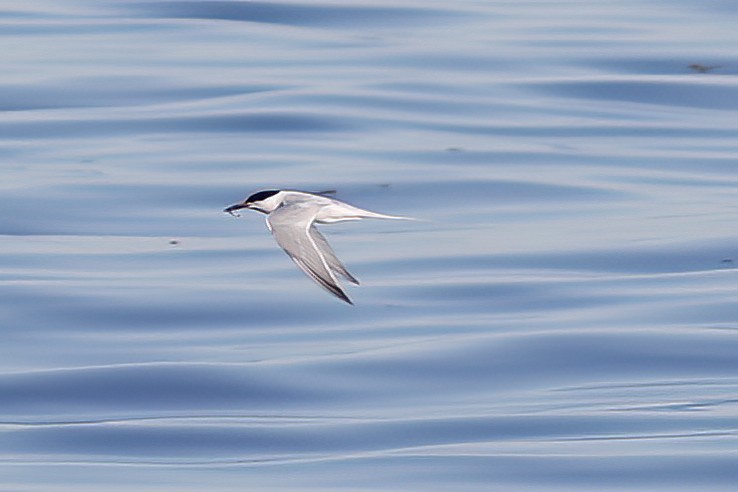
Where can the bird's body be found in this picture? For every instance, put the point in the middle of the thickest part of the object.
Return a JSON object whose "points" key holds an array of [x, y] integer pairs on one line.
{"points": [[291, 218]]}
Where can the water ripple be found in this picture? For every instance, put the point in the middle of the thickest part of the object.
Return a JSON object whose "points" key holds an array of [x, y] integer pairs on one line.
{"points": [[297, 14], [562, 316]]}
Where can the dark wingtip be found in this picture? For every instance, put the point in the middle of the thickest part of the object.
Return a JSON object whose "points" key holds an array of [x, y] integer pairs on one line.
{"points": [[353, 280], [342, 295]]}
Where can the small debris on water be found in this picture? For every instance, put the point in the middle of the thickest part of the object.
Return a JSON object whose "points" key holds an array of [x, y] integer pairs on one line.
{"points": [[703, 68]]}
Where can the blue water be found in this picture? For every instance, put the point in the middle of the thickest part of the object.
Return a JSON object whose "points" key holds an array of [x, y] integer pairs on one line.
{"points": [[563, 317]]}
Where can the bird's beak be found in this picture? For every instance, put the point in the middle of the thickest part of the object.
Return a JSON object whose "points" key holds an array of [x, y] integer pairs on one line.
{"points": [[232, 209]]}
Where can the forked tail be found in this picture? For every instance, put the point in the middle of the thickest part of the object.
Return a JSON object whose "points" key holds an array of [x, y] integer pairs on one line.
{"points": [[375, 215]]}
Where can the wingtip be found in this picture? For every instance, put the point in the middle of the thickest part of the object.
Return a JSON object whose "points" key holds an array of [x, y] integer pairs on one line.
{"points": [[342, 295], [349, 277]]}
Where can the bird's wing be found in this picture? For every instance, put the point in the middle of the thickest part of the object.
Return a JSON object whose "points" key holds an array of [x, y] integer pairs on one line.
{"points": [[330, 256], [292, 227]]}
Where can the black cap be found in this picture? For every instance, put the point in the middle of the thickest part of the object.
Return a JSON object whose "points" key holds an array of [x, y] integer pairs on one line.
{"points": [[261, 195]]}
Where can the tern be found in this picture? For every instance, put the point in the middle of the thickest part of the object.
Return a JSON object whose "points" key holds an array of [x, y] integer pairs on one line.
{"points": [[291, 217]]}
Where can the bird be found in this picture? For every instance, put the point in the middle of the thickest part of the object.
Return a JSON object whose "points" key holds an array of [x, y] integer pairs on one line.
{"points": [[291, 216]]}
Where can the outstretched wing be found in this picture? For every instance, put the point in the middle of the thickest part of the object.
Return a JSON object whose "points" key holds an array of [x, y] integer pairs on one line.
{"points": [[292, 227], [330, 256]]}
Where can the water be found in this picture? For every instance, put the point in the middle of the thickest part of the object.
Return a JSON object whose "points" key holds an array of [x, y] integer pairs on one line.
{"points": [[564, 317]]}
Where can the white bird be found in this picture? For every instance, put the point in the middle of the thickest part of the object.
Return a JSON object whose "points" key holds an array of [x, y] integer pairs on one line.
{"points": [[291, 218]]}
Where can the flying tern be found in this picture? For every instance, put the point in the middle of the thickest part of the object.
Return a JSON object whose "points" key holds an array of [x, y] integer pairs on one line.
{"points": [[291, 217]]}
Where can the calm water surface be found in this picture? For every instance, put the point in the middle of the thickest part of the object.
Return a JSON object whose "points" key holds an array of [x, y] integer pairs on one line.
{"points": [[563, 317]]}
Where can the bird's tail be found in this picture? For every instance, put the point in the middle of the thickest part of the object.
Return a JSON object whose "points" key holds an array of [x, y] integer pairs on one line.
{"points": [[374, 215]]}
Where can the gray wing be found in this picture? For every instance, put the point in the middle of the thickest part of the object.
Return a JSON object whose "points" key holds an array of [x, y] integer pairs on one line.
{"points": [[292, 227], [330, 256]]}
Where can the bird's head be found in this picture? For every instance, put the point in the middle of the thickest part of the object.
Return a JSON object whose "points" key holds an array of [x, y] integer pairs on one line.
{"points": [[263, 201]]}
